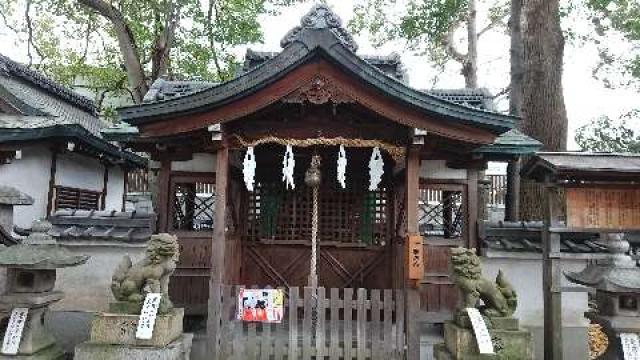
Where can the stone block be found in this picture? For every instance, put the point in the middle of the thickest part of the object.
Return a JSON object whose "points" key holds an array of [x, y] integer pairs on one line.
{"points": [[123, 307], [460, 343], [179, 349], [120, 329], [504, 323], [50, 353]]}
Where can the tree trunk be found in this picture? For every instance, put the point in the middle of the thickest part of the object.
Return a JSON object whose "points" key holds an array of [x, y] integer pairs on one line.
{"points": [[126, 43], [470, 66], [543, 109], [516, 59]]}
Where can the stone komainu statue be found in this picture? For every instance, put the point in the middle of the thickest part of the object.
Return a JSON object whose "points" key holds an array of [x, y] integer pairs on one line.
{"points": [[499, 298], [130, 283]]}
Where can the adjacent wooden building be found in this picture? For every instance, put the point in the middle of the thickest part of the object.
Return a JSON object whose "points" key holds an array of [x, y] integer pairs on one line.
{"points": [[315, 95]]}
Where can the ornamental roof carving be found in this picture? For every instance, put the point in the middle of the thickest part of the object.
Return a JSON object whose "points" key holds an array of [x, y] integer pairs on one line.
{"points": [[320, 17]]}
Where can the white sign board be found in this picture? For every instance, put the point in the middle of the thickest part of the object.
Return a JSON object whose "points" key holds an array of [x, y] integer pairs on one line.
{"points": [[630, 346], [485, 345], [13, 335], [147, 319]]}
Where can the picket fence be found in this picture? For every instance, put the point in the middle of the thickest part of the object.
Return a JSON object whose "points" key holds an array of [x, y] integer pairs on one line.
{"points": [[349, 324]]}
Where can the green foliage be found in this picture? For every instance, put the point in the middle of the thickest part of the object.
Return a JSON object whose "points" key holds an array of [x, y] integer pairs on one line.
{"points": [[612, 17], [73, 44], [605, 134], [422, 24]]}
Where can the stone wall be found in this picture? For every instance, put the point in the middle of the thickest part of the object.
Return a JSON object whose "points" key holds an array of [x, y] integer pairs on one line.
{"points": [[524, 271]]}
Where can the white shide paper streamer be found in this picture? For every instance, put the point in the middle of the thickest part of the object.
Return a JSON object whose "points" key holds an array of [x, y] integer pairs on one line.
{"points": [[376, 169], [249, 168], [288, 164], [342, 167]]}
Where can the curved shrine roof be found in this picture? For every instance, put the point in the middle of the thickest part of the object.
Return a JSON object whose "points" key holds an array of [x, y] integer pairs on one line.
{"points": [[320, 35]]}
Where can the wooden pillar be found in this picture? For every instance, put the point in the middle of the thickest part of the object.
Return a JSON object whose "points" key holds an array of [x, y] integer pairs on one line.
{"points": [[163, 195], [52, 180], [412, 183], [105, 182], [217, 254], [551, 276], [472, 208], [512, 195], [125, 187]]}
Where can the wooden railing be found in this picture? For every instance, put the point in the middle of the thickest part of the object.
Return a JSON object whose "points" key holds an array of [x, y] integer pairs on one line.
{"points": [[342, 324], [498, 189]]}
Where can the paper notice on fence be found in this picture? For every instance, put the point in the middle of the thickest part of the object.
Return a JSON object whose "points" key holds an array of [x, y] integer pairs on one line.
{"points": [[147, 319], [13, 335], [263, 305], [630, 346], [485, 345]]}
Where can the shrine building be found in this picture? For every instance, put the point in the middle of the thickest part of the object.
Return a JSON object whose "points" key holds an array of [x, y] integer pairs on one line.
{"points": [[318, 97]]}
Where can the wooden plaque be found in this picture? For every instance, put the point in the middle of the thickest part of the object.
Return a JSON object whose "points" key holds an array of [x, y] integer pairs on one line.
{"points": [[415, 261], [603, 208]]}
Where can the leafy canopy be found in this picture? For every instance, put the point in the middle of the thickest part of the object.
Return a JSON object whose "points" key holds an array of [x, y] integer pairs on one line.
{"points": [[605, 134], [76, 45]]}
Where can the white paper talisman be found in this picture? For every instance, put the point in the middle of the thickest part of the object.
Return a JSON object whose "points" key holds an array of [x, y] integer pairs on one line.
{"points": [[485, 345], [630, 346], [147, 319], [13, 335]]}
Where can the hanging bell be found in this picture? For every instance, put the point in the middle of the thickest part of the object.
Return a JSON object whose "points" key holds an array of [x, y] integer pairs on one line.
{"points": [[313, 176]]}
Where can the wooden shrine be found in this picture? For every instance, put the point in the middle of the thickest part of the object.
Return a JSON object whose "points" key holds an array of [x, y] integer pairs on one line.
{"points": [[584, 192], [315, 97]]}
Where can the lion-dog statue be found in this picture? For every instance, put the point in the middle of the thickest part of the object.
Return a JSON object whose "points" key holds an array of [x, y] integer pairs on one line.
{"points": [[499, 298], [130, 283]]}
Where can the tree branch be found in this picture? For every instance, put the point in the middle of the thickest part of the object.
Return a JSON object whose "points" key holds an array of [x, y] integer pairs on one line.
{"points": [[30, 41], [127, 45], [448, 43]]}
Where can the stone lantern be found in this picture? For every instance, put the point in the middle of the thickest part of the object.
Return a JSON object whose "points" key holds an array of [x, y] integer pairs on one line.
{"points": [[10, 197], [617, 284], [31, 276]]}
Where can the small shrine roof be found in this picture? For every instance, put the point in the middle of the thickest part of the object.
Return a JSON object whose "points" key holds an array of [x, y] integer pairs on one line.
{"points": [[41, 109], [129, 226], [12, 196], [320, 35], [583, 165], [513, 142], [526, 237]]}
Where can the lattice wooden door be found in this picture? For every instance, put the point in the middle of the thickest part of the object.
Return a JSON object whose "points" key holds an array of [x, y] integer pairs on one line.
{"points": [[191, 217], [442, 221]]}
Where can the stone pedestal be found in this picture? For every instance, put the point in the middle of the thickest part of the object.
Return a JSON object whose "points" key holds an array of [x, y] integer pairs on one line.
{"points": [[509, 342], [36, 342], [113, 336], [120, 329], [179, 349]]}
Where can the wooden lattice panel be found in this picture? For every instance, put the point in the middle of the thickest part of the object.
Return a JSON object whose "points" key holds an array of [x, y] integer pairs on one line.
{"points": [[346, 216]]}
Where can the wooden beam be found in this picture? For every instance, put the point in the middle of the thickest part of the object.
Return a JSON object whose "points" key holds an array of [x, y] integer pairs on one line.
{"points": [[551, 276], [218, 268], [52, 180]]}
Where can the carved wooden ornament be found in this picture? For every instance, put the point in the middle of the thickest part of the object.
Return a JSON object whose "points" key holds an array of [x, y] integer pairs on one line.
{"points": [[319, 91]]}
